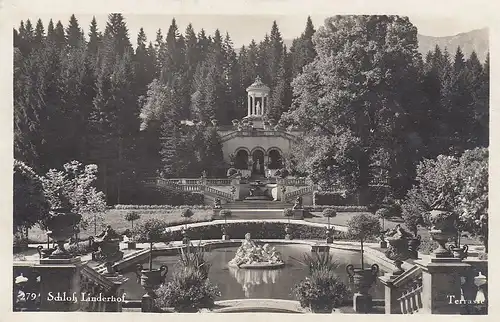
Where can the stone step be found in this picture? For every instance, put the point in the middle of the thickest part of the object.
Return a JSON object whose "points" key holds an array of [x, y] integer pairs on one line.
{"points": [[257, 204]]}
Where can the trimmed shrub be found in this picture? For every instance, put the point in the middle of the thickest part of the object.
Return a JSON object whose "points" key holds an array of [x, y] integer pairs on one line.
{"points": [[258, 230], [427, 246], [332, 198], [187, 213], [152, 230]]}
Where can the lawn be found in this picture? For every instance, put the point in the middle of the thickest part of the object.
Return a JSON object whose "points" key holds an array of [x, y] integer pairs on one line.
{"points": [[116, 218]]}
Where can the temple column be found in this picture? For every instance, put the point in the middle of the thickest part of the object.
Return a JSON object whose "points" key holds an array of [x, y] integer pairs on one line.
{"points": [[253, 104], [248, 99]]}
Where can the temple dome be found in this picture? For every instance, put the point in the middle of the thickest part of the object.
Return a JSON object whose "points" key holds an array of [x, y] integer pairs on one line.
{"points": [[258, 86]]}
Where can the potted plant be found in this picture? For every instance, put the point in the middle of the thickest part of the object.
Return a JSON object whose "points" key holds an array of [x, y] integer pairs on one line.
{"points": [[287, 212], [361, 227], [131, 217], [322, 290], [329, 213], [152, 278], [383, 213], [225, 213], [187, 214]]}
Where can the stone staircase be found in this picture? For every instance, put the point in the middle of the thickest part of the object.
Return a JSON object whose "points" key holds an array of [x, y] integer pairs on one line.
{"points": [[257, 204]]}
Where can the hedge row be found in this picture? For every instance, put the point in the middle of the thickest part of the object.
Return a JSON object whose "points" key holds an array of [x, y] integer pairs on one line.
{"points": [[161, 207], [258, 230], [333, 198], [336, 208], [165, 196]]}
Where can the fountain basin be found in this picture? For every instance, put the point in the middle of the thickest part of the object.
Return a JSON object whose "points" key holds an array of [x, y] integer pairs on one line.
{"points": [[258, 265]]}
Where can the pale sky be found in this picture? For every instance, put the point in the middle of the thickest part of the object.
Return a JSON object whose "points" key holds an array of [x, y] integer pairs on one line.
{"points": [[243, 28]]}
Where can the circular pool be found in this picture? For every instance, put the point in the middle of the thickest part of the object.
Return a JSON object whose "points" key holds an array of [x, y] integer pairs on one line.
{"points": [[238, 283]]}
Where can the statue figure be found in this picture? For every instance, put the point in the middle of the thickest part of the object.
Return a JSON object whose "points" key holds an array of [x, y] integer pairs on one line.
{"points": [[258, 109], [217, 203], [106, 247], [298, 203], [251, 253], [204, 174], [257, 166]]}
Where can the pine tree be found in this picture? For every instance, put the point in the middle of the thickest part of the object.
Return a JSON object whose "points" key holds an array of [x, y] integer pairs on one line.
{"points": [[302, 50], [73, 33], [39, 34]]}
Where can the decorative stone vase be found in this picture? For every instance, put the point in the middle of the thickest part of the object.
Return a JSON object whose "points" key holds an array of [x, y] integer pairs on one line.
{"points": [[413, 246], [398, 252], [441, 238], [459, 252], [363, 279], [62, 223], [442, 230], [151, 279], [109, 253]]}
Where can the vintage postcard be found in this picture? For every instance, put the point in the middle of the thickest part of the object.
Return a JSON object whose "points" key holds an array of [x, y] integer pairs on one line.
{"points": [[310, 163]]}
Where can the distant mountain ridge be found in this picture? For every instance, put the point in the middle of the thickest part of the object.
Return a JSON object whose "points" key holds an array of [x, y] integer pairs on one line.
{"points": [[474, 40]]}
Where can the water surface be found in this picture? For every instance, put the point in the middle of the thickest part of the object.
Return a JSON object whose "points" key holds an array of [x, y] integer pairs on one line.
{"points": [[237, 283]]}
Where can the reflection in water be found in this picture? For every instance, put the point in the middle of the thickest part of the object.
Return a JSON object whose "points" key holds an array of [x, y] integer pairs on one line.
{"points": [[250, 278]]}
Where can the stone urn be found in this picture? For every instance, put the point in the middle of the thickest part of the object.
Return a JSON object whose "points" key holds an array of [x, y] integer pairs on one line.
{"points": [[459, 252], [442, 230], [62, 222], [151, 279], [362, 278], [398, 249], [109, 253]]}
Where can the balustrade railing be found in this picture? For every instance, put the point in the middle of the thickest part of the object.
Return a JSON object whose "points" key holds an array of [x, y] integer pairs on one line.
{"points": [[410, 300], [299, 192], [292, 181], [474, 298], [222, 194], [218, 182], [92, 284]]}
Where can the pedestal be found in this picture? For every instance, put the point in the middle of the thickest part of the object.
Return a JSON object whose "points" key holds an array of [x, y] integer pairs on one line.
{"points": [[118, 293], [147, 303], [60, 284], [441, 285], [362, 303], [391, 294], [298, 214], [225, 237]]}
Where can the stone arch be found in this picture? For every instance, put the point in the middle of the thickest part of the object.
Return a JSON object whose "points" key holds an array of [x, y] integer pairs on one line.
{"points": [[275, 158], [241, 156], [258, 157]]}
